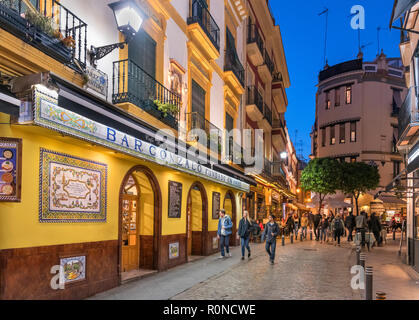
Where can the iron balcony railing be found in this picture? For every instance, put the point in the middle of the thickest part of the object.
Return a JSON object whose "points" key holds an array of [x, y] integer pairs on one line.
{"points": [[200, 14], [53, 28], [277, 169], [278, 124], [253, 36], [409, 112], [132, 84], [232, 63], [277, 77], [269, 63], [197, 121], [254, 97], [267, 113], [267, 168]]}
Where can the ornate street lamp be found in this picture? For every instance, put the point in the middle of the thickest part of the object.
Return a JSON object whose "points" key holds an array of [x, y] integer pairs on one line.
{"points": [[284, 155], [129, 18]]}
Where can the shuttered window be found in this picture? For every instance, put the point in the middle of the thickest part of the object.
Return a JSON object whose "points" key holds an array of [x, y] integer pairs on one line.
{"points": [[229, 122], [142, 51], [198, 105]]}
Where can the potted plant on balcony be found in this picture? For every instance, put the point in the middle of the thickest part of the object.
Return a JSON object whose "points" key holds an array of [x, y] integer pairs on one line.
{"points": [[169, 112]]}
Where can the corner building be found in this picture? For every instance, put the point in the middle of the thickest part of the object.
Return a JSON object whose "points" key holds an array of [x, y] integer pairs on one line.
{"points": [[357, 107]]}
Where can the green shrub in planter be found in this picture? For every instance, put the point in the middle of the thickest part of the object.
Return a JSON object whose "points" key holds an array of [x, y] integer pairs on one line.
{"points": [[167, 108]]}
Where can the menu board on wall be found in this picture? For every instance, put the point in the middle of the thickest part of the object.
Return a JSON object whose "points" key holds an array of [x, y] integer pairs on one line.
{"points": [[175, 199], [10, 169], [216, 199]]}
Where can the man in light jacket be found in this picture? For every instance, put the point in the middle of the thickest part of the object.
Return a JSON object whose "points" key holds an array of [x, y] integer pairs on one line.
{"points": [[224, 232]]}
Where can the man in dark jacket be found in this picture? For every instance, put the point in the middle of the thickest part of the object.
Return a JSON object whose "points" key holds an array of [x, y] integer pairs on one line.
{"points": [[375, 227], [270, 234], [350, 225], [316, 222]]}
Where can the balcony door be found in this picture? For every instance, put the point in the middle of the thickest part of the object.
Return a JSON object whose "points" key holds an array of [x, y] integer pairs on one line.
{"points": [[198, 106], [142, 70]]}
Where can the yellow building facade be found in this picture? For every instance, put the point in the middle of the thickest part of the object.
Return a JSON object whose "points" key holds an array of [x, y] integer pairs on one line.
{"points": [[89, 196]]}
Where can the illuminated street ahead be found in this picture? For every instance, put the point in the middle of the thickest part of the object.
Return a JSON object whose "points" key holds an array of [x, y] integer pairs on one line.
{"points": [[305, 270]]}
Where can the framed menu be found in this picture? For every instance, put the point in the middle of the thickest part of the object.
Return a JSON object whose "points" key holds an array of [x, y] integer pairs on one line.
{"points": [[175, 199], [216, 199], [10, 169]]}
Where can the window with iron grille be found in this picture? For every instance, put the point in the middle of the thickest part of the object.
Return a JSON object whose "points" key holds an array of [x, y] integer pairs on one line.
{"points": [[342, 133], [337, 97], [353, 131], [348, 95], [332, 135]]}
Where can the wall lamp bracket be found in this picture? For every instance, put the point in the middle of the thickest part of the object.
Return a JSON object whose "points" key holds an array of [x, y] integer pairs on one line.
{"points": [[101, 52]]}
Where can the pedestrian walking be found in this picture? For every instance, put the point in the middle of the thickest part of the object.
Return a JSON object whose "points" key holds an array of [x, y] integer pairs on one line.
{"points": [[225, 227], [290, 224], [338, 228], [361, 226], [304, 225], [296, 224], [270, 234], [324, 229], [244, 232], [316, 222], [350, 225], [375, 227]]}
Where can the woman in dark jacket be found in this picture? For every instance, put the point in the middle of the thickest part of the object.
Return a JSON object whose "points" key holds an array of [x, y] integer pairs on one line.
{"points": [[290, 225], [245, 229]]}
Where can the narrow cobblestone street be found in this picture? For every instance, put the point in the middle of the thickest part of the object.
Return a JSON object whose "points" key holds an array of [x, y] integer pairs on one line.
{"points": [[306, 271], [303, 271]]}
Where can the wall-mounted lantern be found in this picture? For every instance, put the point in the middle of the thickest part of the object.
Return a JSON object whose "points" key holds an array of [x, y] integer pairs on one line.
{"points": [[129, 18]]}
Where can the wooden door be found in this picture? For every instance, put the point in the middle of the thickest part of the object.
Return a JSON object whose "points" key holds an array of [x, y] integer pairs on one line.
{"points": [[130, 238]]}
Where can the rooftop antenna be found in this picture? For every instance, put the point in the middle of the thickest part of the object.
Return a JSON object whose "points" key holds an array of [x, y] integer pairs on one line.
{"points": [[378, 40], [359, 35], [325, 12]]}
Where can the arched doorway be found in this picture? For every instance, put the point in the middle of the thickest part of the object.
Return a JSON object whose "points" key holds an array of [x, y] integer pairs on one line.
{"points": [[196, 221], [139, 223], [231, 210]]}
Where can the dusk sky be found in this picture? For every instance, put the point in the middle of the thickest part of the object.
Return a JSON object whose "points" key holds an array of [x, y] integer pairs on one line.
{"points": [[303, 34]]}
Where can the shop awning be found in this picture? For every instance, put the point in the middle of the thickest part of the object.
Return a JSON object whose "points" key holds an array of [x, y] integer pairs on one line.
{"points": [[301, 206], [400, 8], [392, 200], [402, 186]]}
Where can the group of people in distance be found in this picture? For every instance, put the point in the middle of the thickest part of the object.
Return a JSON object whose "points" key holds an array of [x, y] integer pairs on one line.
{"points": [[326, 229]]}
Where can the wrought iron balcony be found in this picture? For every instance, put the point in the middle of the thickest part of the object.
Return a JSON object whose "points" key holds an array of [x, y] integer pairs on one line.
{"points": [[253, 36], [267, 168], [267, 113], [255, 98], [197, 121], [52, 28], [278, 124], [200, 14], [269, 63], [132, 84], [277, 77], [232, 63], [277, 169], [409, 115]]}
